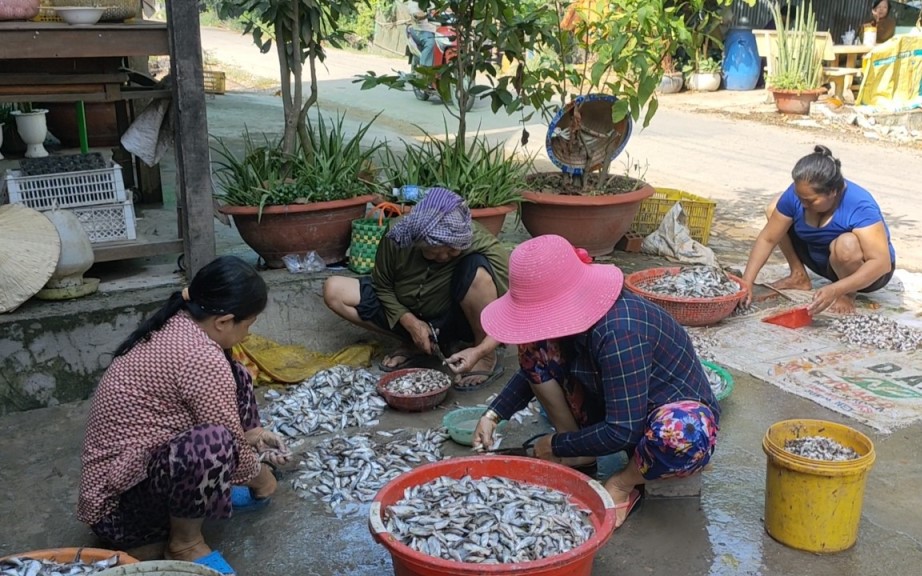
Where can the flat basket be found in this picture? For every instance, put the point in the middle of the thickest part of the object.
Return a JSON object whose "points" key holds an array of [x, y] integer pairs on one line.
{"points": [[699, 212], [411, 402], [687, 311], [67, 189]]}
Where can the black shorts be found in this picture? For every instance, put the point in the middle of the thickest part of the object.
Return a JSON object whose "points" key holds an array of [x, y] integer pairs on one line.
{"points": [[800, 248], [451, 324]]}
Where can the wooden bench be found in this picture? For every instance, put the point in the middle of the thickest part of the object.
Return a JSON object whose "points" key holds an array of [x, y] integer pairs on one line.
{"points": [[841, 79]]}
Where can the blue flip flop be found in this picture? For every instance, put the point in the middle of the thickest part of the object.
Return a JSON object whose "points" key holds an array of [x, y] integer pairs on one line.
{"points": [[216, 562], [242, 500]]}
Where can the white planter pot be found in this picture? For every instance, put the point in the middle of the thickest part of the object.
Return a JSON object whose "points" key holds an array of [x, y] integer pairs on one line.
{"points": [[32, 129], [671, 83], [704, 81]]}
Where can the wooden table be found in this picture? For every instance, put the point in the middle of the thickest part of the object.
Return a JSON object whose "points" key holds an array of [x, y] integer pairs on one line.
{"points": [[57, 62], [846, 66]]}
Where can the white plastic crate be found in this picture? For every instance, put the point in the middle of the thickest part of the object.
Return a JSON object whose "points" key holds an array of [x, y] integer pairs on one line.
{"points": [[108, 222], [69, 189]]}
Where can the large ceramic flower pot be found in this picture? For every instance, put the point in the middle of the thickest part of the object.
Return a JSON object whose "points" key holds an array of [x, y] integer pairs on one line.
{"points": [[704, 81], [594, 223], [324, 227], [796, 101], [671, 83], [492, 218]]}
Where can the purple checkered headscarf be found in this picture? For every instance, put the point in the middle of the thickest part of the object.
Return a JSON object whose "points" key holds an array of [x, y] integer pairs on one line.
{"points": [[441, 219]]}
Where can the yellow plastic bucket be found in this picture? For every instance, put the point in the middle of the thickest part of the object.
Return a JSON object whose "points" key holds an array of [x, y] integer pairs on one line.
{"points": [[814, 505]]}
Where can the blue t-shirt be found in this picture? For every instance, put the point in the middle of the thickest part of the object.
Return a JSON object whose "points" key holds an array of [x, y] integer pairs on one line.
{"points": [[857, 209]]}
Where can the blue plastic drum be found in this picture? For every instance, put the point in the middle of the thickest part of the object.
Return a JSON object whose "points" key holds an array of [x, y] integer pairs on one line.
{"points": [[741, 60]]}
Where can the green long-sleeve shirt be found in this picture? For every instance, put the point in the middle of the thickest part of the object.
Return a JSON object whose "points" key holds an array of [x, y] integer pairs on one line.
{"points": [[407, 282]]}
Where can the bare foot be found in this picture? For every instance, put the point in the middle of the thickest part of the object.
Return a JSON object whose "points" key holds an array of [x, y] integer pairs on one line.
{"points": [[484, 367], [843, 305], [187, 552], [153, 551], [793, 282], [401, 356]]}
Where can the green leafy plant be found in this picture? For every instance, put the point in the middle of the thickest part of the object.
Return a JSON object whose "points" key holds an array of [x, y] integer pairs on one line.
{"points": [[334, 167], [484, 174], [704, 66], [797, 65]]}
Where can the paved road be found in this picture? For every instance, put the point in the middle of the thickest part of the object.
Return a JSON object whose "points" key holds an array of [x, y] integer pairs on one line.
{"points": [[739, 163]]}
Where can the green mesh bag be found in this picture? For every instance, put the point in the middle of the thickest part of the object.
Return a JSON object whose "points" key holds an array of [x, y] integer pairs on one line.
{"points": [[366, 234]]}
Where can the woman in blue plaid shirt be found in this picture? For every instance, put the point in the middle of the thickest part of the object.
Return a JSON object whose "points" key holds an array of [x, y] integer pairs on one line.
{"points": [[614, 371]]}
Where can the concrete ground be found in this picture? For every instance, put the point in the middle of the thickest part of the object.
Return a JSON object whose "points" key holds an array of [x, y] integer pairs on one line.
{"points": [[712, 153]]}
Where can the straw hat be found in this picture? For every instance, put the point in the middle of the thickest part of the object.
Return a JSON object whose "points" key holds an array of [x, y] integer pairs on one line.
{"points": [[553, 292], [29, 251]]}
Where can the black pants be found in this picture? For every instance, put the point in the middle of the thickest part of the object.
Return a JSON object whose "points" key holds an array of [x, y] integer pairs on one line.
{"points": [[452, 324], [800, 248]]}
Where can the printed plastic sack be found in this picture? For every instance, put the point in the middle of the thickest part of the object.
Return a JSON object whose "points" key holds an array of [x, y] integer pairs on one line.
{"points": [[893, 74], [673, 240]]}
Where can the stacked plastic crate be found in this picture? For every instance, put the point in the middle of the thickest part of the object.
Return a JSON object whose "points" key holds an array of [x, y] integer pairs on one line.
{"points": [[97, 197]]}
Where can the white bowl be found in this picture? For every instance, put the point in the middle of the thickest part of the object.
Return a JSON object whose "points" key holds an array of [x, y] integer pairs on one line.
{"points": [[79, 15]]}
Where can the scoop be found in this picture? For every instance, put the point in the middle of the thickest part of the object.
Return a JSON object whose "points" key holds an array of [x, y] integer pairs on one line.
{"points": [[793, 318]]}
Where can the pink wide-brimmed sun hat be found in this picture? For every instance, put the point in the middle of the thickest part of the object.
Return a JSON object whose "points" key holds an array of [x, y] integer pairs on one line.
{"points": [[552, 293]]}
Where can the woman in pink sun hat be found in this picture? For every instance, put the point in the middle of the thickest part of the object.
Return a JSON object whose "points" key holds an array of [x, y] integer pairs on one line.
{"points": [[613, 371]]}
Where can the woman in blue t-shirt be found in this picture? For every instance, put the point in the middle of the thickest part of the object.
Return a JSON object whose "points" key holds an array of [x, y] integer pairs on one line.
{"points": [[831, 226]]}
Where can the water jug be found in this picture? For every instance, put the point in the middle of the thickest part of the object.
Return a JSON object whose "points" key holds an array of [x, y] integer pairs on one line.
{"points": [[741, 59]]}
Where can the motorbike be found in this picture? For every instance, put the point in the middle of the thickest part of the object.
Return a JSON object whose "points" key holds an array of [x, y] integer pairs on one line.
{"points": [[446, 50]]}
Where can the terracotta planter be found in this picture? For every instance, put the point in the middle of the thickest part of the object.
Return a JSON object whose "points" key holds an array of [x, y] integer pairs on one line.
{"points": [[492, 218], [595, 223], [796, 101], [324, 227]]}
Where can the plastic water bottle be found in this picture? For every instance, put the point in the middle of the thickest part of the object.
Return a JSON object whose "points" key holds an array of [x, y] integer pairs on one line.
{"points": [[410, 193]]}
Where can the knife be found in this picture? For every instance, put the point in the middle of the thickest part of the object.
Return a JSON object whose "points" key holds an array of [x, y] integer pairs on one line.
{"points": [[434, 338]]}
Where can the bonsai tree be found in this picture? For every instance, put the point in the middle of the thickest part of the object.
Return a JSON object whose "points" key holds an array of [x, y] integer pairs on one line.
{"points": [[300, 29]]}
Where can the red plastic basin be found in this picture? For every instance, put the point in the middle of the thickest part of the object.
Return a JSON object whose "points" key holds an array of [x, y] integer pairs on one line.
{"points": [[583, 492]]}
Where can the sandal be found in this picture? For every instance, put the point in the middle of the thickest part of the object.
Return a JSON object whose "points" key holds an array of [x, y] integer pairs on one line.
{"points": [[410, 360], [216, 562], [242, 500], [633, 500]]}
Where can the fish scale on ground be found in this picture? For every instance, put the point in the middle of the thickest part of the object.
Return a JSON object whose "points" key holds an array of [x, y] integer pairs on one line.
{"points": [[489, 520], [353, 469], [327, 402]]}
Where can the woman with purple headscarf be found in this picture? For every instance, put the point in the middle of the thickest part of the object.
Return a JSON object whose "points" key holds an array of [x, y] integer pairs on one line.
{"points": [[437, 270]]}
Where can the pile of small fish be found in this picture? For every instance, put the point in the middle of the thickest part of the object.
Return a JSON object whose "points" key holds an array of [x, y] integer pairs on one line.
{"points": [[704, 344], [24, 566], [717, 383], [820, 448], [876, 331], [329, 401], [352, 470], [693, 282], [489, 520], [418, 382]]}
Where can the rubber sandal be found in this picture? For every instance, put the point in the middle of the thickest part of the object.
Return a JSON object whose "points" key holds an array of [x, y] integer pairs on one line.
{"points": [[410, 361], [490, 377], [216, 562], [242, 500], [632, 504]]}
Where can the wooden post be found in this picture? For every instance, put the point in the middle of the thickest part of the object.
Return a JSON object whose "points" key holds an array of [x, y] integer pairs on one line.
{"points": [[193, 173]]}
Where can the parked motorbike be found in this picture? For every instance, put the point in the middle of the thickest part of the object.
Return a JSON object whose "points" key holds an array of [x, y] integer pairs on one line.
{"points": [[446, 50]]}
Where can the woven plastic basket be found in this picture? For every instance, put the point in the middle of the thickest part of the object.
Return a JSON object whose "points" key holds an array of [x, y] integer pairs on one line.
{"points": [[411, 402], [687, 311]]}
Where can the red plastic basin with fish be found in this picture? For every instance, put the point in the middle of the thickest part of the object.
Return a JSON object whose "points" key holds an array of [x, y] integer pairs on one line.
{"points": [[583, 492], [64, 555], [687, 311]]}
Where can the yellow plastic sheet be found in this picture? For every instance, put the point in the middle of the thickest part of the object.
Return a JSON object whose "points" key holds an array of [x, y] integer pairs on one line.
{"points": [[893, 74], [270, 361]]}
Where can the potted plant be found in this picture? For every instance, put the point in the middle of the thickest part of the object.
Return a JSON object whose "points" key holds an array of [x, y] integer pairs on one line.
{"points": [[795, 81], [32, 128], [293, 203], [673, 80], [703, 74], [488, 177]]}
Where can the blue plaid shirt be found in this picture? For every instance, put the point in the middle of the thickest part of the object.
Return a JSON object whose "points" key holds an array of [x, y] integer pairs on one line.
{"points": [[635, 359]]}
